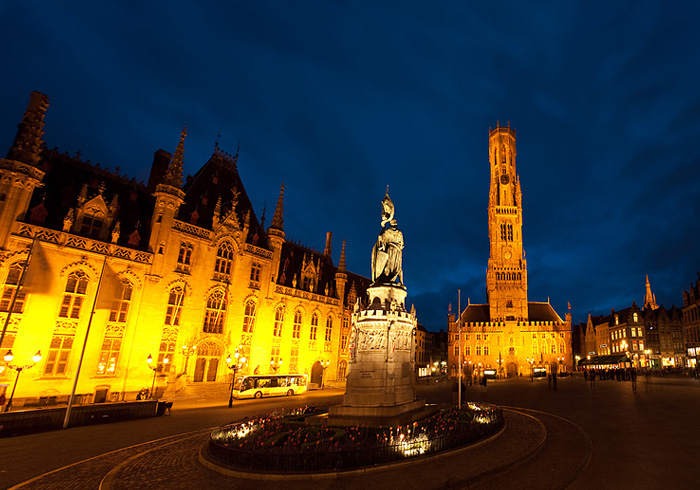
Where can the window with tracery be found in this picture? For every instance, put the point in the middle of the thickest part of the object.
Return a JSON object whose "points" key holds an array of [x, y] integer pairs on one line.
{"points": [[249, 316], [122, 300], [74, 295], [176, 299], [314, 326], [11, 288], [215, 313], [279, 319], [329, 329], [296, 332], [59, 351], [224, 259]]}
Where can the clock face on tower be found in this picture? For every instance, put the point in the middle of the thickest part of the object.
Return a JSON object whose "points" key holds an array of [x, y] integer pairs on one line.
{"points": [[504, 179], [507, 255]]}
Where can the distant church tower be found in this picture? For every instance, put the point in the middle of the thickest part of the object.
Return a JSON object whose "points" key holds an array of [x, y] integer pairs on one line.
{"points": [[506, 277]]}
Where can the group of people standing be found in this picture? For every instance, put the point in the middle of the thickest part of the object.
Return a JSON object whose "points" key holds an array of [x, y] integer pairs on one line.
{"points": [[619, 374]]}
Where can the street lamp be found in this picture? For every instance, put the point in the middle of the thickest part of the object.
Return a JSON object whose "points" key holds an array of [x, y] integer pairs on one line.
{"points": [[500, 369], [187, 351], [8, 359], [155, 369], [234, 366], [275, 366], [531, 360]]}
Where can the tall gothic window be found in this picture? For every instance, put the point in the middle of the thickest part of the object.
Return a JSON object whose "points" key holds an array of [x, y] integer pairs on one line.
{"points": [[10, 289], [166, 350], [224, 258], [296, 332], [74, 295], [314, 326], [109, 356], [176, 299], [279, 319], [255, 271], [185, 255], [59, 351], [329, 328], [122, 300], [92, 225], [215, 313], [249, 316]]}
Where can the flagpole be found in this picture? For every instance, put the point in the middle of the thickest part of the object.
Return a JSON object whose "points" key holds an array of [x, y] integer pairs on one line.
{"points": [[459, 343], [14, 296], [82, 352]]}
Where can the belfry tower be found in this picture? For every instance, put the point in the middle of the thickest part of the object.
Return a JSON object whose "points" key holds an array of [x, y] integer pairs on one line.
{"points": [[506, 277]]}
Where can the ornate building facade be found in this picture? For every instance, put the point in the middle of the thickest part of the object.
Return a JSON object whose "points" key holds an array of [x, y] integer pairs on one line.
{"points": [[509, 334], [100, 272]]}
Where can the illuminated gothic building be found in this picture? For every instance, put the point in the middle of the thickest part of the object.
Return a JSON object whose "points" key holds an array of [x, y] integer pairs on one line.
{"points": [[117, 272], [508, 335]]}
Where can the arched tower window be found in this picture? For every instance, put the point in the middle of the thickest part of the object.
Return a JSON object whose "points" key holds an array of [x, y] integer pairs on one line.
{"points": [[74, 295], [215, 313], [329, 329]]}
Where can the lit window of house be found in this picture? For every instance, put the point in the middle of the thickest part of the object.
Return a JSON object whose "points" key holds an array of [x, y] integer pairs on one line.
{"points": [[279, 319], [122, 300], [176, 299], [249, 316], [215, 312], [10, 289], [296, 332]]}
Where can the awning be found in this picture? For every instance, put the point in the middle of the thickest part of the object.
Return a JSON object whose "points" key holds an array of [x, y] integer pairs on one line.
{"points": [[613, 359]]}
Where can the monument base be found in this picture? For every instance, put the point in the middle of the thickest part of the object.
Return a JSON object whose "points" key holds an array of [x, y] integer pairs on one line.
{"points": [[380, 416]]}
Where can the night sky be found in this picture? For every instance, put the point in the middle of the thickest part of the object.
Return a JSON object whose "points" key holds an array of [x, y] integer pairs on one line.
{"points": [[340, 99]]}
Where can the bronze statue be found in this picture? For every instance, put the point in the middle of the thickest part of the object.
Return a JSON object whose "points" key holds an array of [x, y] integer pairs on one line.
{"points": [[387, 254]]}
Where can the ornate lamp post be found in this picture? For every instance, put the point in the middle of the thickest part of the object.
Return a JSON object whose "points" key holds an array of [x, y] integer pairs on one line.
{"points": [[234, 366], [275, 366], [155, 369], [500, 369], [8, 359], [531, 360], [187, 351]]}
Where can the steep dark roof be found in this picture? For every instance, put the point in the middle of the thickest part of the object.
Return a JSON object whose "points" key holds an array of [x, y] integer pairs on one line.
{"points": [[476, 313], [217, 178], [63, 181], [542, 312]]}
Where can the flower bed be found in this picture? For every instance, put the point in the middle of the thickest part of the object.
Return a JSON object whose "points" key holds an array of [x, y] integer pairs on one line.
{"points": [[285, 443]]}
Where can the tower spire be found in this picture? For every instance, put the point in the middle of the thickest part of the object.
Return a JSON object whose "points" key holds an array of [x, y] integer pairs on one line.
{"points": [[341, 263], [278, 218], [27, 144], [173, 176], [649, 298]]}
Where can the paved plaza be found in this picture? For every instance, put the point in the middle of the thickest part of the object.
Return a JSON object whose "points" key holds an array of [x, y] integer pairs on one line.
{"points": [[579, 436]]}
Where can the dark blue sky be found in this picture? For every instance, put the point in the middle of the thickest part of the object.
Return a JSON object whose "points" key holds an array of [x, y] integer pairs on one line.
{"points": [[339, 99]]}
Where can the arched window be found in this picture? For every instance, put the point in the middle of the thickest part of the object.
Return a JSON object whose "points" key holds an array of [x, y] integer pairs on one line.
{"points": [[314, 326], [224, 258], [279, 319], [249, 316], [176, 299], [122, 300], [74, 295], [296, 333], [216, 311], [329, 328], [342, 370], [11, 285]]}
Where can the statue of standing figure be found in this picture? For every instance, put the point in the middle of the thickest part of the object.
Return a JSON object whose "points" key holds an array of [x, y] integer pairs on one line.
{"points": [[387, 254]]}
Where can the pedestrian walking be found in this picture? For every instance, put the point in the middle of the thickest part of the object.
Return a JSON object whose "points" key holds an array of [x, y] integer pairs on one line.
{"points": [[585, 375], [483, 383], [647, 380], [554, 381], [633, 378], [549, 380]]}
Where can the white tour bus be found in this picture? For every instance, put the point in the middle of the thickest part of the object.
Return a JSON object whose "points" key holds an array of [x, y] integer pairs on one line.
{"points": [[257, 386]]}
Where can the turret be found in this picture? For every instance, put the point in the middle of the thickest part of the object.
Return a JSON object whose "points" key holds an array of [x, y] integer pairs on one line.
{"points": [[275, 234], [169, 197], [341, 278], [19, 172]]}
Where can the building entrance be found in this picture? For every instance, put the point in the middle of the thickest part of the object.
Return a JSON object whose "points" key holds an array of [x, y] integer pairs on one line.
{"points": [[207, 363]]}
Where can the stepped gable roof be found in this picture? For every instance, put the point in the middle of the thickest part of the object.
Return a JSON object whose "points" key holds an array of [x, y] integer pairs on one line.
{"points": [[542, 312], [476, 313], [63, 181], [361, 284], [219, 178]]}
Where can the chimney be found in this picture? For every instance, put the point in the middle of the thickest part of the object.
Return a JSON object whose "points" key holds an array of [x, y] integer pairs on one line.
{"points": [[329, 239]]}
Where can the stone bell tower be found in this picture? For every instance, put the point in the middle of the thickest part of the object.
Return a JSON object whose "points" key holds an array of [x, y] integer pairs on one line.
{"points": [[506, 277]]}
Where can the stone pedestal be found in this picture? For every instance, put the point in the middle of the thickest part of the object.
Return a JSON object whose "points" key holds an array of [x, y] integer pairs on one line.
{"points": [[380, 382]]}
